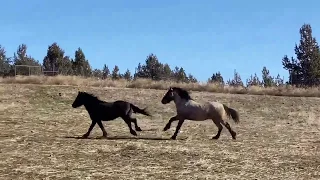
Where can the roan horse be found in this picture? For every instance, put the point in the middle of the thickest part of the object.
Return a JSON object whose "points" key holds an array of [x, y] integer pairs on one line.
{"points": [[106, 111], [188, 109]]}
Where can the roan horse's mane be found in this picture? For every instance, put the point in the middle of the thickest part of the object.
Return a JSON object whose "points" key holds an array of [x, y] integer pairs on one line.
{"points": [[184, 94]]}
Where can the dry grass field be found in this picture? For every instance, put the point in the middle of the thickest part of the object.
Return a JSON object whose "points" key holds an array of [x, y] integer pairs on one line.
{"points": [[278, 138], [284, 90]]}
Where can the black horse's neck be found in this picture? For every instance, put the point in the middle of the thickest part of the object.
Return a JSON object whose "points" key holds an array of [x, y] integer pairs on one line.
{"points": [[91, 101]]}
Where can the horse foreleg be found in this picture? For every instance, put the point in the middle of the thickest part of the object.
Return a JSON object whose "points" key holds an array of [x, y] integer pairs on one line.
{"points": [[93, 123], [217, 123], [177, 129], [102, 129], [168, 125], [227, 125]]}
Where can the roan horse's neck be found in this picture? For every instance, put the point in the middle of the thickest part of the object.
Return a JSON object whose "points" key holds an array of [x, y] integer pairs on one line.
{"points": [[179, 102]]}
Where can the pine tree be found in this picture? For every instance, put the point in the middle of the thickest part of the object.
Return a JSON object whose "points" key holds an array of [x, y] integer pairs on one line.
{"points": [[305, 69], [153, 69], [127, 75], [22, 58], [6, 68], [106, 72], [253, 81], [236, 81], [295, 72], [65, 66], [267, 80], [115, 73], [192, 79], [97, 73], [167, 72], [216, 78], [81, 65], [278, 81], [182, 76], [56, 61]]}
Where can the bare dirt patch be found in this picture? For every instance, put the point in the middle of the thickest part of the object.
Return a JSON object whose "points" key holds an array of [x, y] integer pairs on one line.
{"points": [[278, 138]]}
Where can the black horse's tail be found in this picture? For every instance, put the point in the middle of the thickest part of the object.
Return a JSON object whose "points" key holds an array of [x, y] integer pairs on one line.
{"points": [[233, 113], [138, 110]]}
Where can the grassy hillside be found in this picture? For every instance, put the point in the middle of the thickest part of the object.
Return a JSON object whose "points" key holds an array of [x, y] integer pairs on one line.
{"points": [[161, 85], [278, 137]]}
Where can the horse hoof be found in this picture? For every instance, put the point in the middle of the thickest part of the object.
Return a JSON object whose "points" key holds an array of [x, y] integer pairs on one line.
{"points": [[138, 129], [134, 133], [84, 136], [215, 137], [173, 138], [166, 128], [234, 134]]}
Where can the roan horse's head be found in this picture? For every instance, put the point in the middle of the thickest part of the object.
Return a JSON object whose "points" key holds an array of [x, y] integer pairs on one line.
{"points": [[168, 97], [79, 101]]}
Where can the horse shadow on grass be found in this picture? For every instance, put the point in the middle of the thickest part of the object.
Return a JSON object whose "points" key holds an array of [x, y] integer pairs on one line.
{"points": [[125, 137], [121, 138]]}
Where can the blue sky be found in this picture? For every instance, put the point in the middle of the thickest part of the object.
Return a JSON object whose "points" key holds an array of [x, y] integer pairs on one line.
{"points": [[202, 36]]}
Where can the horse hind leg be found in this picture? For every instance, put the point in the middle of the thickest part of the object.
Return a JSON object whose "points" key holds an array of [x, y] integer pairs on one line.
{"points": [[93, 123], [127, 119], [134, 120], [217, 123], [227, 125], [104, 132]]}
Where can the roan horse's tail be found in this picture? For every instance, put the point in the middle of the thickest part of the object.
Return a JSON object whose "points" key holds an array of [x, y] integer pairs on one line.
{"points": [[138, 110], [233, 113]]}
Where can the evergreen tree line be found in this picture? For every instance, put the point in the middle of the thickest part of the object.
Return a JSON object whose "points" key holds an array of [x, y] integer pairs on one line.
{"points": [[304, 70], [56, 61]]}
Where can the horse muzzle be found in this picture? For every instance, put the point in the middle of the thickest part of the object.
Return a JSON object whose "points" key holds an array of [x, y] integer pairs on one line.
{"points": [[164, 101]]}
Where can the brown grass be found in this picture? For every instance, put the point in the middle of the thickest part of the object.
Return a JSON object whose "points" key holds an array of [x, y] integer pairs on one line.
{"points": [[161, 85], [278, 138]]}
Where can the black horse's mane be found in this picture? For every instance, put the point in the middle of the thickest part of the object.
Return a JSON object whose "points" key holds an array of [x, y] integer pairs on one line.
{"points": [[184, 94], [91, 97]]}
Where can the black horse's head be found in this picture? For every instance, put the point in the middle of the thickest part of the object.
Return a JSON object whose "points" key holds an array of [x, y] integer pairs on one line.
{"points": [[80, 99], [169, 96]]}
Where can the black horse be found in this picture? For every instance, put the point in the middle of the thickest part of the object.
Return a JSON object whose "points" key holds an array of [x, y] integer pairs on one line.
{"points": [[106, 111]]}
